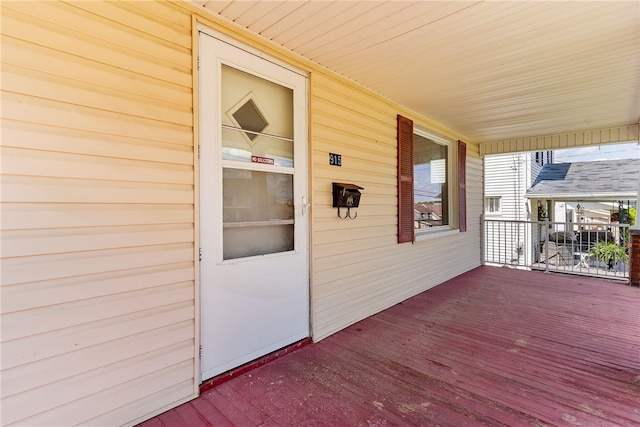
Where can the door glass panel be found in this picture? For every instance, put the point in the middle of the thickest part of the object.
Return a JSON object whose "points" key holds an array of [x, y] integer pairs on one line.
{"points": [[258, 216], [259, 240], [238, 146], [256, 105]]}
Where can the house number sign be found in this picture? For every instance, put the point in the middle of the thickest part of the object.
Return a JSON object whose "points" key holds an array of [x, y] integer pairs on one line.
{"points": [[335, 159]]}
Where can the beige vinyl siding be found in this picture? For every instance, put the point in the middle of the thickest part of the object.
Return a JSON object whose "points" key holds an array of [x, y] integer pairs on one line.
{"points": [[99, 314], [358, 267], [98, 301]]}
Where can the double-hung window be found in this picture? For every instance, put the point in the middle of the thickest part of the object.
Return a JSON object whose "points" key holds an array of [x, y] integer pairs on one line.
{"points": [[426, 178], [431, 164]]}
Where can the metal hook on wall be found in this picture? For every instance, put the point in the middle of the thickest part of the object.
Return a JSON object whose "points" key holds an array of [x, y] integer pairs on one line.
{"points": [[348, 214]]}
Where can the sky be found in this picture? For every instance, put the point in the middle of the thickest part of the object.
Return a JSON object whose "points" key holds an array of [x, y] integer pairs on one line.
{"points": [[600, 152]]}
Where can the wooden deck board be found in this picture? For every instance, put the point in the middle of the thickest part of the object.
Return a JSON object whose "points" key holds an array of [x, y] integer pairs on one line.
{"points": [[494, 346]]}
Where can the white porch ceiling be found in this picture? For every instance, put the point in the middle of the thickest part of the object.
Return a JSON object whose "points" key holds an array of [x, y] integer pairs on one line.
{"points": [[490, 70]]}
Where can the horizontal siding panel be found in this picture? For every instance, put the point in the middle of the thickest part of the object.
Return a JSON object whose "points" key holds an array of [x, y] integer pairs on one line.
{"points": [[326, 216], [354, 160], [26, 296], [361, 233], [21, 162], [335, 117], [369, 295], [172, 31], [355, 176], [48, 34], [56, 400], [407, 264], [365, 270], [115, 404], [171, 393], [163, 12], [63, 190], [65, 140], [46, 319], [56, 266], [55, 343], [24, 216], [378, 151], [68, 90], [348, 248], [339, 97], [53, 369], [24, 243], [329, 262], [110, 32], [46, 112], [27, 55], [371, 214]]}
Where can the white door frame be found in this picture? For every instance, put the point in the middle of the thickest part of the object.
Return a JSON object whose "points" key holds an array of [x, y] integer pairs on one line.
{"points": [[202, 175]]}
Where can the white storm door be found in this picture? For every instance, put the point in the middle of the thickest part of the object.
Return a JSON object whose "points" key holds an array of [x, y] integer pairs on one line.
{"points": [[254, 268]]}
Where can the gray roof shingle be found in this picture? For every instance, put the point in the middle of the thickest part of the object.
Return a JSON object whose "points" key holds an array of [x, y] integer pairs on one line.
{"points": [[605, 178]]}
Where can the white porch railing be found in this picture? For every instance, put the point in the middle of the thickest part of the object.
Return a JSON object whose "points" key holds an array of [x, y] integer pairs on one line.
{"points": [[600, 250]]}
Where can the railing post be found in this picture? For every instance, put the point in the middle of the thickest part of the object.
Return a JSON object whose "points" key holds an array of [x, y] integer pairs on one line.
{"points": [[634, 247], [546, 244], [634, 257], [483, 239]]}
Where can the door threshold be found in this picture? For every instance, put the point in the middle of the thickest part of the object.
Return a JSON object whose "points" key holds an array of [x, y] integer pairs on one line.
{"points": [[243, 369]]}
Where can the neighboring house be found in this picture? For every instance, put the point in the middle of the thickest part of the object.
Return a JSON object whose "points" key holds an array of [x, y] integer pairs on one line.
{"points": [[586, 192], [427, 215], [584, 198], [156, 230], [506, 181]]}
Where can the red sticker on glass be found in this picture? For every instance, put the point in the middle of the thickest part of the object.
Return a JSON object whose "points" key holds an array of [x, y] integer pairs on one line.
{"points": [[263, 160]]}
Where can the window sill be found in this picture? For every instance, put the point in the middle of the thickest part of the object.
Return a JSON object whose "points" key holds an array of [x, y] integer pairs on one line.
{"points": [[433, 234]]}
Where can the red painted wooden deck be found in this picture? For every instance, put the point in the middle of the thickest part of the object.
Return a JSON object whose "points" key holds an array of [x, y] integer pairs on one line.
{"points": [[493, 347]]}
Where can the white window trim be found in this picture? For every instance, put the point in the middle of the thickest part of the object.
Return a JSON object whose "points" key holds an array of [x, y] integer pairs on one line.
{"points": [[495, 213], [423, 233], [435, 232]]}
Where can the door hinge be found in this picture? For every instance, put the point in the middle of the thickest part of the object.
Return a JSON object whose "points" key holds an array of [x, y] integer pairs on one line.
{"points": [[200, 352], [200, 254], [199, 149], [198, 62]]}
